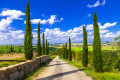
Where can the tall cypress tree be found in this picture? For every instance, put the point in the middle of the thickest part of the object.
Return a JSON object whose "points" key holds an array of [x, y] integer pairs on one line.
{"points": [[63, 51], [70, 53], [43, 47], [28, 36], [85, 48], [46, 49], [97, 55], [38, 41], [66, 51]]}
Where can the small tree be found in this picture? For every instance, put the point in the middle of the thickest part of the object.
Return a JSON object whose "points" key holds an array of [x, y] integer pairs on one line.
{"points": [[46, 52], [28, 36], [70, 53], [38, 41], [97, 55], [85, 48], [48, 48], [63, 51], [66, 51], [43, 48]]}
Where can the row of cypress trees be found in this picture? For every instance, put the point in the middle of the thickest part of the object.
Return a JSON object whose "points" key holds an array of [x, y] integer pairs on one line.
{"points": [[67, 53], [28, 48], [97, 54]]}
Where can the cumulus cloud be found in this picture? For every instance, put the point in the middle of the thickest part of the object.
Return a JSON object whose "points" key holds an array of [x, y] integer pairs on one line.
{"points": [[7, 33], [105, 26], [51, 20], [97, 4], [14, 14]]}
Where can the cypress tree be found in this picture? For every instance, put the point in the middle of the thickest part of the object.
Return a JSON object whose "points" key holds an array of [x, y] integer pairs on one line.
{"points": [[63, 51], [28, 36], [48, 48], [85, 48], [66, 52], [43, 47], [70, 53], [97, 55], [38, 41], [46, 52]]}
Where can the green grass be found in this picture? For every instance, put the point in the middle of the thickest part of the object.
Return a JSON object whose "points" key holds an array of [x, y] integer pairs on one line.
{"points": [[96, 76], [7, 63], [33, 74], [90, 48]]}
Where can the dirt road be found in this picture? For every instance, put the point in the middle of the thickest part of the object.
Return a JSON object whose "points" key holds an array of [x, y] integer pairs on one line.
{"points": [[60, 70]]}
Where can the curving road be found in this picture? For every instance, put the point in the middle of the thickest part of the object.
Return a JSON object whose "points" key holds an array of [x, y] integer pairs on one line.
{"points": [[60, 70]]}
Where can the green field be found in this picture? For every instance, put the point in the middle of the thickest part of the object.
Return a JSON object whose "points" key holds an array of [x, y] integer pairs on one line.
{"points": [[90, 48]]}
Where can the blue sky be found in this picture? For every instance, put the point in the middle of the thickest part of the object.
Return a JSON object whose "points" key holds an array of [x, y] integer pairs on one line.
{"points": [[59, 19]]}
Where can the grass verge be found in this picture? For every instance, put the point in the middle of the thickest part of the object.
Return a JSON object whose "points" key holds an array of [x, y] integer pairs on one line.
{"points": [[34, 73], [94, 75]]}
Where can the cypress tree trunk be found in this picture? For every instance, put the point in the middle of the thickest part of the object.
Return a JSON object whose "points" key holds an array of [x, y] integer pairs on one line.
{"points": [[43, 48], [70, 53], [85, 48], [38, 41], [97, 55], [46, 52], [28, 36]]}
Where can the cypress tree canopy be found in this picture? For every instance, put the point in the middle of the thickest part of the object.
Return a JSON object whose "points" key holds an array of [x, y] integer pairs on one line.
{"points": [[85, 48], [97, 55], [70, 53], [43, 48], [28, 36], [38, 41]]}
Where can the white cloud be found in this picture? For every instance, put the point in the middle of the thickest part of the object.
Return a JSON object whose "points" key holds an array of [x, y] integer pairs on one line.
{"points": [[14, 14], [107, 25], [51, 20], [89, 15], [103, 31], [36, 29], [8, 34], [97, 4], [110, 34]]}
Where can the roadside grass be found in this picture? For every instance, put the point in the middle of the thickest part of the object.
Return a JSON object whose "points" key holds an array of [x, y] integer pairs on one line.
{"points": [[33, 74], [7, 63], [94, 75]]}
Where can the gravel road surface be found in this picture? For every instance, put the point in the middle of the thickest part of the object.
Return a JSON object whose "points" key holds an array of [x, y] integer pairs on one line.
{"points": [[61, 70]]}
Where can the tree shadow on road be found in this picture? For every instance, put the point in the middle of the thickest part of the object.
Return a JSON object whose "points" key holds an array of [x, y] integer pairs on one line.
{"points": [[57, 64], [58, 75]]}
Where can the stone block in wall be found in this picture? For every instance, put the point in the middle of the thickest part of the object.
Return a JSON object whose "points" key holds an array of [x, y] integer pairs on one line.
{"points": [[23, 64], [27, 68], [13, 76], [2, 74], [6, 72], [20, 74], [19, 67], [13, 68]]}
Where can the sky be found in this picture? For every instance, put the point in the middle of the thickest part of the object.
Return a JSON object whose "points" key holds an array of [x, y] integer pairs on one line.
{"points": [[60, 19]]}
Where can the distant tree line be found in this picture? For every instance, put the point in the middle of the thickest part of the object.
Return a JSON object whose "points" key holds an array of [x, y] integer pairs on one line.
{"points": [[28, 47]]}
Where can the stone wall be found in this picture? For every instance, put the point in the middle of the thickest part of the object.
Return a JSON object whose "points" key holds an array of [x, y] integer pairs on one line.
{"points": [[17, 71]]}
